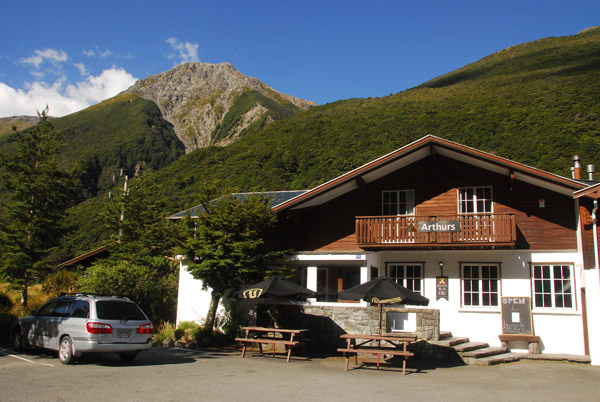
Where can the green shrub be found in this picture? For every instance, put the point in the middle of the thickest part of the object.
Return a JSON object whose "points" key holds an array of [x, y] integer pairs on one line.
{"points": [[165, 330]]}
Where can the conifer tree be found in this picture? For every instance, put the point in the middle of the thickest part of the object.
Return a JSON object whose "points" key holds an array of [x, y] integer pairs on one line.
{"points": [[225, 247], [39, 192]]}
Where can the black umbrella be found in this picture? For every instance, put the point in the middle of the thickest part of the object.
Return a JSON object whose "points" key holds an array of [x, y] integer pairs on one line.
{"points": [[275, 287], [383, 290]]}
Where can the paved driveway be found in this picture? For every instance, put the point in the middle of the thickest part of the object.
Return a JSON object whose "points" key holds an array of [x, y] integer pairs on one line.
{"points": [[216, 375]]}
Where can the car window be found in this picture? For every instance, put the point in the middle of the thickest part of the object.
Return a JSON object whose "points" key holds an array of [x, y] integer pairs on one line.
{"points": [[63, 308], [47, 308], [118, 310], [81, 309]]}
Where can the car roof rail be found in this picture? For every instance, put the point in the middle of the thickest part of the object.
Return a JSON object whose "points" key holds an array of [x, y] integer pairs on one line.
{"points": [[88, 294]]}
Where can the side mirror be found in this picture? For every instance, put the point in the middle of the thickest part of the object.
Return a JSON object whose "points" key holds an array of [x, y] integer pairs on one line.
{"points": [[34, 312]]}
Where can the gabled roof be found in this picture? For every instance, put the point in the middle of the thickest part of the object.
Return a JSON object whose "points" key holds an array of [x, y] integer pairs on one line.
{"points": [[592, 191], [97, 253], [277, 197], [420, 149]]}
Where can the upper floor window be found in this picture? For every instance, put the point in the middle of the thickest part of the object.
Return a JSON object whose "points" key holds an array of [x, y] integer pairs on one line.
{"points": [[409, 275], [552, 286], [480, 284], [399, 202], [475, 200]]}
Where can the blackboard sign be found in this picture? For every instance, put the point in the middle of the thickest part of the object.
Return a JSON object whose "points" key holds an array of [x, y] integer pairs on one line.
{"points": [[516, 316], [442, 287]]}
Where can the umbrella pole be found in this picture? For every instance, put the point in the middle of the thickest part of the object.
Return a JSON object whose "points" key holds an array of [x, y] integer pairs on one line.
{"points": [[380, 316]]}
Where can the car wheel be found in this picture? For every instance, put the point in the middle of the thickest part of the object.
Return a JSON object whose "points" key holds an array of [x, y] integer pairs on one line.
{"points": [[127, 357], [17, 340], [65, 350]]}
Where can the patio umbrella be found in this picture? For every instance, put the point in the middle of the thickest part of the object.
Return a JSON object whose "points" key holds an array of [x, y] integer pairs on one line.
{"points": [[383, 290], [275, 287]]}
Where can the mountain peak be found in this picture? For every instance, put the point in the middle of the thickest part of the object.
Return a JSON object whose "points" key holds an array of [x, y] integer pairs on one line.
{"points": [[196, 97]]}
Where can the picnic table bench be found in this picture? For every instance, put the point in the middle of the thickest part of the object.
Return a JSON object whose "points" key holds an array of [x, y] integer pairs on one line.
{"points": [[290, 338], [399, 345]]}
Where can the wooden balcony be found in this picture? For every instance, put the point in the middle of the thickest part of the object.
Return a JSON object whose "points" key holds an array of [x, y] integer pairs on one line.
{"points": [[447, 231]]}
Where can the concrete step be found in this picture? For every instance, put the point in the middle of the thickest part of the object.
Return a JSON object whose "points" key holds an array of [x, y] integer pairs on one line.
{"points": [[450, 342], [469, 346], [484, 352], [445, 335], [493, 360]]}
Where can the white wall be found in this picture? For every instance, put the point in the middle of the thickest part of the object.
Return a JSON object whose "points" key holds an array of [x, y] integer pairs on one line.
{"points": [[561, 330], [192, 301]]}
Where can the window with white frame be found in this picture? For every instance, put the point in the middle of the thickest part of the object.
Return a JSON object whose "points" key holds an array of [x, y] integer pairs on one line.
{"points": [[552, 286], [480, 284], [475, 200], [409, 275], [398, 202]]}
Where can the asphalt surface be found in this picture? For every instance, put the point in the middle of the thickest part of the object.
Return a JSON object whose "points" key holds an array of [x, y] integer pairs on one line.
{"points": [[222, 375]]}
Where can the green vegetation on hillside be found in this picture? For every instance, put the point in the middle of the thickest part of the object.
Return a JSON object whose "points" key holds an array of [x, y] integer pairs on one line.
{"points": [[244, 103], [537, 103]]}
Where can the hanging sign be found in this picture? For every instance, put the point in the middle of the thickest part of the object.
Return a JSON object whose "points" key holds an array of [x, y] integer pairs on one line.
{"points": [[438, 226], [441, 287]]}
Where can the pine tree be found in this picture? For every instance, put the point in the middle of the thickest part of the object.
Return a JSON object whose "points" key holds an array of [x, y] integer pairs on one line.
{"points": [[39, 193]]}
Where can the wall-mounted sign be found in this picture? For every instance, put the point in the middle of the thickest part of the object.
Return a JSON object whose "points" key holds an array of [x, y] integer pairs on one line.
{"points": [[438, 226], [442, 287], [516, 315]]}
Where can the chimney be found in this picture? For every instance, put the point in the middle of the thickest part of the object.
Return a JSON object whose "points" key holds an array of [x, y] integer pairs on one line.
{"points": [[591, 169], [577, 168]]}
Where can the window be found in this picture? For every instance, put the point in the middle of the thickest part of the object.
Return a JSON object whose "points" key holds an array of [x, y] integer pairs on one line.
{"points": [[409, 275], [480, 285], [332, 280], [475, 200], [401, 202], [552, 286]]}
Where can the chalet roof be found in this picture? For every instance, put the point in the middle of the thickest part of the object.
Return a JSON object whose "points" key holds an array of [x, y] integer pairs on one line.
{"points": [[85, 256], [422, 148], [277, 197], [592, 191]]}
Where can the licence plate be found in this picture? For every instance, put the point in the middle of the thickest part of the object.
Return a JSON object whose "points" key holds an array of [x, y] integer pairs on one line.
{"points": [[123, 333]]}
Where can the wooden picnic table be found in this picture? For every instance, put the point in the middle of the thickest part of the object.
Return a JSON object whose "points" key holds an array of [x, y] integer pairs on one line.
{"points": [[395, 345], [290, 338]]}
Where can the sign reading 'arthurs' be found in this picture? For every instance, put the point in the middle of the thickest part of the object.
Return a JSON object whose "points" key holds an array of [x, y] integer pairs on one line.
{"points": [[438, 226]]}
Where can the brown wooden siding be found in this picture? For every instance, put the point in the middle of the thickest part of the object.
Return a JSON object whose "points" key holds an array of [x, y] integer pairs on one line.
{"points": [[331, 227]]}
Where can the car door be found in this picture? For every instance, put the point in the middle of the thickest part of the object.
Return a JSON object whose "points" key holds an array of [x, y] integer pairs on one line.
{"points": [[35, 333], [55, 323]]}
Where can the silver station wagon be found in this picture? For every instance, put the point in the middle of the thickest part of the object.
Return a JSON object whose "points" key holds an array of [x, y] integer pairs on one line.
{"points": [[84, 323]]}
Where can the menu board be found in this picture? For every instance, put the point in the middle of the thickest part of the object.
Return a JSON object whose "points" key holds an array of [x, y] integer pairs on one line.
{"points": [[516, 316]]}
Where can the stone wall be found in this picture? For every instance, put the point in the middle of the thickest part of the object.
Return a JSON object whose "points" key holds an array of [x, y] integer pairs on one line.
{"points": [[327, 323]]}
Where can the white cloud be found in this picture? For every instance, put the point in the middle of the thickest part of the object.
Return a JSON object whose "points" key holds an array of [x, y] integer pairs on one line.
{"points": [[81, 68], [63, 98], [39, 56], [95, 51], [186, 51]]}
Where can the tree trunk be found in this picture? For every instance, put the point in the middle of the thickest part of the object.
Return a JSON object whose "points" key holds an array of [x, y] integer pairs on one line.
{"points": [[209, 324], [24, 295]]}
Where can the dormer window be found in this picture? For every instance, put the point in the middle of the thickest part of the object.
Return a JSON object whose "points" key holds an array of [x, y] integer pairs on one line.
{"points": [[475, 200], [398, 202]]}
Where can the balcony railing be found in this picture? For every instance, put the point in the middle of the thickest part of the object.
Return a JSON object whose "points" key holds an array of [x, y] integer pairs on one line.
{"points": [[446, 230]]}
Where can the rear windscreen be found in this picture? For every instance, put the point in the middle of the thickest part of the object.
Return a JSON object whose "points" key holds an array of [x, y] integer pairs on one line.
{"points": [[118, 310]]}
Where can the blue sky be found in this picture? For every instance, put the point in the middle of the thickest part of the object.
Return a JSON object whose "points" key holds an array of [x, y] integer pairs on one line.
{"points": [[71, 54]]}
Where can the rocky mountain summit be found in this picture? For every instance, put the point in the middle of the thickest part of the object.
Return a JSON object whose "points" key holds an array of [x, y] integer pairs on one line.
{"points": [[197, 97]]}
